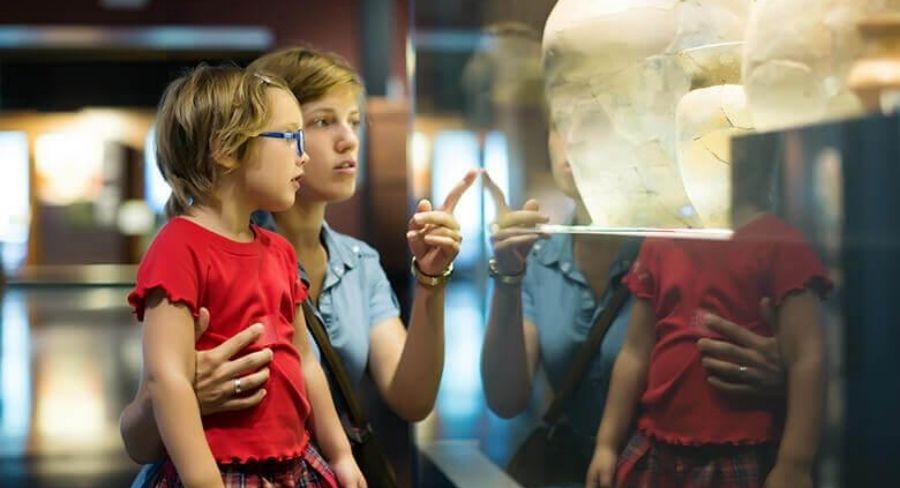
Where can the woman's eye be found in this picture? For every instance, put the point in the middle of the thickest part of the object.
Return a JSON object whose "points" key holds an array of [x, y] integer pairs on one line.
{"points": [[319, 123], [355, 124]]}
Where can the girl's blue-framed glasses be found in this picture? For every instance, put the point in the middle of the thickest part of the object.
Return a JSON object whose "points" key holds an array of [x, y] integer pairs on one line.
{"points": [[296, 135]]}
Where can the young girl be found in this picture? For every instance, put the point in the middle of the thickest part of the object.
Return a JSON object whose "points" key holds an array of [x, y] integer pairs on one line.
{"points": [[228, 143], [688, 433]]}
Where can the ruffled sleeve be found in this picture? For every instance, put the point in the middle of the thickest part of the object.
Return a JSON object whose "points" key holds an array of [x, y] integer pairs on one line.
{"points": [[796, 268], [641, 278], [172, 266]]}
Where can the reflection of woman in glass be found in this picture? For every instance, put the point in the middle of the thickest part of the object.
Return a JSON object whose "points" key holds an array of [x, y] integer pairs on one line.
{"points": [[688, 433], [547, 295], [347, 282]]}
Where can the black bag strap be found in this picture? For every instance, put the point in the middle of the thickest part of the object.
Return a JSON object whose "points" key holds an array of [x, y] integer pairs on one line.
{"points": [[586, 355], [336, 366]]}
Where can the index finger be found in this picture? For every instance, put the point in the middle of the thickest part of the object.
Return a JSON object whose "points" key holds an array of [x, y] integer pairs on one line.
{"points": [[496, 195], [733, 332], [457, 192], [239, 341]]}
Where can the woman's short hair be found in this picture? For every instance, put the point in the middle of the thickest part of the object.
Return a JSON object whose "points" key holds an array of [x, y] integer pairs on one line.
{"points": [[207, 115], [310, 74]]}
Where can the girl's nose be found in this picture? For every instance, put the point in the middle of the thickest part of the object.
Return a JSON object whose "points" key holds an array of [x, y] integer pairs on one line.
{"points": [[301, 160]]}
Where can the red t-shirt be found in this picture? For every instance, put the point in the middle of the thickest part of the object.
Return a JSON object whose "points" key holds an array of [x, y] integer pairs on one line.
{"points": [[239, 283], [682, 278]]}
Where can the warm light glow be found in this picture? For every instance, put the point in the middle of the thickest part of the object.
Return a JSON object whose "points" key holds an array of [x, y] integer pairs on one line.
{"points": [[420, 156], [71, 403], [135, 218], [69, 167]]}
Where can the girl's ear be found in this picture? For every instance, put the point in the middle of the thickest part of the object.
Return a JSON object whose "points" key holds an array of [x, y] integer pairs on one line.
{"points": [[226, 164], [223, 161]]}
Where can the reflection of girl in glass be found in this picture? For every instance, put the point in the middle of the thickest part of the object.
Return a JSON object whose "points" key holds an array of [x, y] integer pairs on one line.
{"points": [[547, 295], [689, 433]]}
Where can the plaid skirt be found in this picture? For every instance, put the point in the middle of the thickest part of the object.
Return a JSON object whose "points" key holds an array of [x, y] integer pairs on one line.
{"points": [[647, 463], [307, 471]]}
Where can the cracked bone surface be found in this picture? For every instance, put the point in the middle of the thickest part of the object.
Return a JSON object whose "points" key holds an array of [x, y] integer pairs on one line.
{"points": [[796, 58], [614, 78], [706, 120]]}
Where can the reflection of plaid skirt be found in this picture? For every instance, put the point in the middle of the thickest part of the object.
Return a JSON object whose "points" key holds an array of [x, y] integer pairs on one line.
{"points": [[306, 471], [647, 463]]}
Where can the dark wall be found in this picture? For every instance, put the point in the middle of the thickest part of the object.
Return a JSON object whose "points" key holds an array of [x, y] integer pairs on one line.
{"points": [[64, 79], [330, 25]]}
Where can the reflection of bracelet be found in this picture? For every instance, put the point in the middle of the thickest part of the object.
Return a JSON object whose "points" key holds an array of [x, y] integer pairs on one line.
{"points": [[506, 279], [430, 280]]}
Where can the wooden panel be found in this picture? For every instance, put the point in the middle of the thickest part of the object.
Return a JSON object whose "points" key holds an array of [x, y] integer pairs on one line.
{"points": [[386, 190]]}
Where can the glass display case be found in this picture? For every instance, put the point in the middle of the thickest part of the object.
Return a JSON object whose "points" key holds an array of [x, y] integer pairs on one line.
{"points": [[835, 182], [600, 135]]}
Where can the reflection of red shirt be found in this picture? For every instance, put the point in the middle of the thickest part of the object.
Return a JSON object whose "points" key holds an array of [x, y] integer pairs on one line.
{"points": [[765, 258], [240, 283]]}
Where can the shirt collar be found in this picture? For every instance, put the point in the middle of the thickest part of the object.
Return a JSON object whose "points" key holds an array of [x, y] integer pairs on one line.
{"points": [[341, 254]]}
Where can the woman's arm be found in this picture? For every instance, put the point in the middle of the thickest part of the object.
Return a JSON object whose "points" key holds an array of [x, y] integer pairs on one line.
{"points": [[329, 434], [511, 352], [213, 385], [169, 362], [629, 379], [406, 365], [803, 348]]}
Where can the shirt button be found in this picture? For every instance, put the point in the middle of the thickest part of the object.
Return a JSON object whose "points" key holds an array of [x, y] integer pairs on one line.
{"points": [[537, 247], [565, 267], [356, 249], [587, 296], [338, 271]]}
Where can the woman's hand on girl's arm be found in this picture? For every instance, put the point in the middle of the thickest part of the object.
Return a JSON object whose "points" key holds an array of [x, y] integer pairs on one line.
{"points": [[744, 362], [216, 372], [213, 384], [434, 237]]}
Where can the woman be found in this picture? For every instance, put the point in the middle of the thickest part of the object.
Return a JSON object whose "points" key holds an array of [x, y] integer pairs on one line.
{"points": [[531, 325], [347, 283]]}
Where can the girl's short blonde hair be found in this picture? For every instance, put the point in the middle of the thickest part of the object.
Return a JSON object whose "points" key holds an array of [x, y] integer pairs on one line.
{"points": [[310, 74], [208, 115]]}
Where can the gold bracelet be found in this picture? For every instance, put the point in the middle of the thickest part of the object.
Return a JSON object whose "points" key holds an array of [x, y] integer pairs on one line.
{"points": [[506, 279], [430, 280]]}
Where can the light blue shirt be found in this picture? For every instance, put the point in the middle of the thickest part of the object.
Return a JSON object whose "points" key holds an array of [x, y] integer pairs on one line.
{"points": [[557, 298], [355, 297]]}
